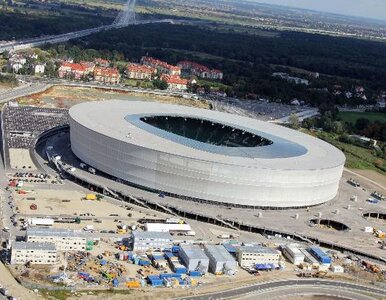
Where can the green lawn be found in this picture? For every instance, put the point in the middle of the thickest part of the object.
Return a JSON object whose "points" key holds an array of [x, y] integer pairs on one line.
{"points": [[145, 84], [356, 157], [352, 117]]}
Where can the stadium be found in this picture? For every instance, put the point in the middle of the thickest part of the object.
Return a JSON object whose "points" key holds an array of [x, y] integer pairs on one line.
{"points": [[204, 155]]}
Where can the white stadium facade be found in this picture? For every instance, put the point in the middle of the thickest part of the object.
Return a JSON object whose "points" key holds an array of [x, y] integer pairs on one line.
{"points": [[205, 155]]}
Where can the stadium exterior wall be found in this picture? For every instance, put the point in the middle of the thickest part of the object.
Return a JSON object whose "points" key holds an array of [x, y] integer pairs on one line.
{"points": [[201, 179]]}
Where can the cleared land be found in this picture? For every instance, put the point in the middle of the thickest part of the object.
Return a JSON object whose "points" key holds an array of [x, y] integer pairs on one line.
{"points": [[20, 158], [65, 97], [352, 117]]}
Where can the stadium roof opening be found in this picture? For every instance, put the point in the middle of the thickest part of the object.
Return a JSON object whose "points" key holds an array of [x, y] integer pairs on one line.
{"points": [[206, 131]]}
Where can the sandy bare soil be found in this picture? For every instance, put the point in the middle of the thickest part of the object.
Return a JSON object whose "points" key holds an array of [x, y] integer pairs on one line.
{"points": [[374, 179], [373, 175], [50, 203], [14, 288], [65, 97], [20, 158]]}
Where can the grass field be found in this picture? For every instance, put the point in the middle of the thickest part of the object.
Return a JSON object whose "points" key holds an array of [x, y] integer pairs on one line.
{"points": [[352, 117], [356, 157]]}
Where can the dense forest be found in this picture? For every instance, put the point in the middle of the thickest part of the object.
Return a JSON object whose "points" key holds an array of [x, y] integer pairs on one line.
{"points": [[20, 23], [249, 60]]}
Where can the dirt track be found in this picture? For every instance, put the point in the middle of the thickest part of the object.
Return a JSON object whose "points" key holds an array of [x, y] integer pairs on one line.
{"points": [[14, 288]]}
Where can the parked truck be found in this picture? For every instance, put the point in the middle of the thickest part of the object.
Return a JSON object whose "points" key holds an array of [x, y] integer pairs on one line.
{"points": [[40, 222]]}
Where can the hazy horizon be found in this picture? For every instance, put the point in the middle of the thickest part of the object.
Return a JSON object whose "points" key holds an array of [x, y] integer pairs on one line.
{"points": [[375, 9]]}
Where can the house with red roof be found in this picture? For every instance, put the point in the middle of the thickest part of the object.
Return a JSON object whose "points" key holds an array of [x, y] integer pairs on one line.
{"points": [[106, 75], [161, 66], [175, 82], [102, 62], [73, 69], [137, 71], [193, 68]]}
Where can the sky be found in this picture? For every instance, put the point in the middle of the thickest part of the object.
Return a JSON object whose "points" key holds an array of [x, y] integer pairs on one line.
{"points": [[375, 9]]}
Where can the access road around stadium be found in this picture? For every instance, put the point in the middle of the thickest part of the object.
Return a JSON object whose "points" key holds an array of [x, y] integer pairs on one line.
{"points": [[268, 223], [287, 288]]}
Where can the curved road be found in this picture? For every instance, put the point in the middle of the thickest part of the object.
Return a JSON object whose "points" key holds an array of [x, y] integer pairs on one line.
{"points": [[295, 292], [271, 288]]}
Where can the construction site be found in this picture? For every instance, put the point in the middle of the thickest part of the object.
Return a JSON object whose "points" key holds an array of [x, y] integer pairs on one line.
{"points": [[128, 240]]}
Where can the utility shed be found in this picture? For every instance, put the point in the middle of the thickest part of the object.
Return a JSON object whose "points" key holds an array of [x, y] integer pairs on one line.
{"points": [[194, 258], [293, 254], [220, 260], [309, 258], [252, 255], [320, 255]]}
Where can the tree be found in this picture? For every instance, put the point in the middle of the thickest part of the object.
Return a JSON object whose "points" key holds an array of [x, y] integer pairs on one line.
{"points": [[308, 123], [362, 123], [160, 84], [50, 69], [293, 121], [337, 127]]}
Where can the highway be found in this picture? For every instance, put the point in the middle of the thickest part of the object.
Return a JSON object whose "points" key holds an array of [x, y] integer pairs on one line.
{"points": [[24, 90], [323, 287], [124, 18]]}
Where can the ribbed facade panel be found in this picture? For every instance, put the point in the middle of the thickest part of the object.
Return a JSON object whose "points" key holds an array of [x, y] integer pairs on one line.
{"points": [[202, 179]]}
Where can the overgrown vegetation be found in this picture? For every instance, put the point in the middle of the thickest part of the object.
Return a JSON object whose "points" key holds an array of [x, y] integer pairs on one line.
{"points": [[360, 153], [8, 80], [356, 157]]}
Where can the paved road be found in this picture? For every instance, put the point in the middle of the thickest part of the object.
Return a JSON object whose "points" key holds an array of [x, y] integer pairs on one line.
{"points": [[299, 291], [30, 88], [327, 285]]}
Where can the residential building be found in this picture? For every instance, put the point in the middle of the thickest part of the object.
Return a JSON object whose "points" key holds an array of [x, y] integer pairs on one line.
{"points": [[106, 75], [39, 68], [102, 62], [381, 104], [175, 82], [34, 253], [289, 78], [137, 71], [145, 240], [15, 66], [251, 255], [90, 66], [220, 260], [72, 69], [216, 74], [64, 240], [161, 66], [194, 258], [192, 68], [293, 254], [16, 62]]}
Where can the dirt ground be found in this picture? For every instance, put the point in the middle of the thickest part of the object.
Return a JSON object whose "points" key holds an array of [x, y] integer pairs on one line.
{"points": [[20, 158], [373, 175], [50, 203], [14, 288], [65, 97]]}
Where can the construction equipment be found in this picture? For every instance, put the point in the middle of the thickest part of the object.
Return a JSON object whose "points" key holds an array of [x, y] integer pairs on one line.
{"points": [[133, 284], [90, 197]]}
